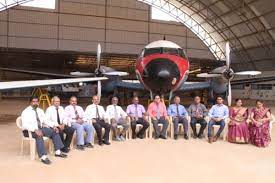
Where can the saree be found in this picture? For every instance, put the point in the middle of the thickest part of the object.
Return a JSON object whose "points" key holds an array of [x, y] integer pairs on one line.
{"points": [[238, 128], [259, 133]]}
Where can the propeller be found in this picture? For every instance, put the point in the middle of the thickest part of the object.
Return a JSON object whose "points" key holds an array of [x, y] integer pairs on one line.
{"points": [[251, 73], [206, 75], [97, 72]]}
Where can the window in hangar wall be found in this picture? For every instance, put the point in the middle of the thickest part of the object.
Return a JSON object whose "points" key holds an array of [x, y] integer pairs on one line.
{"points": [[46, 4], [157, 14]]}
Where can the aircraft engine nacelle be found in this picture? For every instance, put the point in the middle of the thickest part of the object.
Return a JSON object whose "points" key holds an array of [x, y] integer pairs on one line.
{"points": [[219, 86]]}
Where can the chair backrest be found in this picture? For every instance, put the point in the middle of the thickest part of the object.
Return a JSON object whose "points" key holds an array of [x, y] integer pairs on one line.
{"points": [[19, 122]]}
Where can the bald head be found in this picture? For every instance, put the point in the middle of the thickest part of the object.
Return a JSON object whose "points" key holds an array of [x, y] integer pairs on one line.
{"points": [[73, 100], [95, 100]]}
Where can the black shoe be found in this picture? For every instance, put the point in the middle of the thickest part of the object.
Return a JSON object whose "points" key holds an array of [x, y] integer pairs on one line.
{"points": [[61, 155], [80, 147], [176, 137], [195, 136], [185, 137], [163, 137], [100, 143], [140, 136], [65, 150], [106, 142], [89, 145], [134, 136], [200, 136], [46, 161], [157, 136]]}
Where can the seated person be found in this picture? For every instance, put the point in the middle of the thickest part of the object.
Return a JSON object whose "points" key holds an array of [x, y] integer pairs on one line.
{"points": [[157, 112], [117, 117], [238, 127], [33, 120], [56, 119], [197, 112], [95, 114], [137, 113], [178, 114], [75, 116], [218, 113], [259, 128]]}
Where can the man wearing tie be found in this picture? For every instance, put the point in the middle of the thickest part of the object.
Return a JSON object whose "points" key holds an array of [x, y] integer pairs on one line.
{"points": [[178, 114], [75, 116], [33, 123], [56, 119], [117, 117], [95, 114], [137, 114], [157, 112]]}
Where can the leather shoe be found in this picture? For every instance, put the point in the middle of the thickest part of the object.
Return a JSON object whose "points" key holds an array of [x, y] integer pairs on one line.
{"points": [[185, 137], [106, 142], [65, 150], [61, 155], [80, 147], [100, 143], [46, 161], [176, 137], [89, 145], [210, 140], [162, 137], [200, 136], [215, 138]]}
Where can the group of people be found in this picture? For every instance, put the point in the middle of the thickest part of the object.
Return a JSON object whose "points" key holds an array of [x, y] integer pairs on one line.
{"points": [[60, 123]]}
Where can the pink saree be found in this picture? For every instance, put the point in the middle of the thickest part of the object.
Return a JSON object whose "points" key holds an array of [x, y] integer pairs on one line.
{"points": [[238, 128], [259, 133]]}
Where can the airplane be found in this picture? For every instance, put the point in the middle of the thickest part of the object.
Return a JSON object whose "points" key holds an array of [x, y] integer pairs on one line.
{"points": [[162, 67]]}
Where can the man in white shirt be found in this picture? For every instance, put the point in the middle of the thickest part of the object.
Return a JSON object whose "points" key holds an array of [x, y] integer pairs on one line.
{"points": [[117, 117], [33, 121], [95, 114], [75, 116], [56, 119]]}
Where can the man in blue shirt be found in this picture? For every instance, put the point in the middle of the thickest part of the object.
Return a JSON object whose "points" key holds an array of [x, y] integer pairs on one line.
{"points": [[178, 114], [218, 113]]}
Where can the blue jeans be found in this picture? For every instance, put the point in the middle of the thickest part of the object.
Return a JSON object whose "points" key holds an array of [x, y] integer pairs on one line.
{"points": [[220, 123], [80, 128]]}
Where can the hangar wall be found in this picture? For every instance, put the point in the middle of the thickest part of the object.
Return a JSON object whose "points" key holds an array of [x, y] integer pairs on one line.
{"points": [[121, 26]]}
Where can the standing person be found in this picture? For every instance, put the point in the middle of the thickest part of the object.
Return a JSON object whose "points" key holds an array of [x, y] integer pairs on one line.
{"points": [[56, 119], [117, 117], [237, 127], [178, 114], [218, 113], [259, 128], [95, 114], [33, 120], [157, 112], [75, 116], [197, 112], [137, 114]]}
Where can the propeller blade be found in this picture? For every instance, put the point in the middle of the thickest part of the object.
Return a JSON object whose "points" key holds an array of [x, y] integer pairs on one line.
{"points": [[249, 73], [98, 55], [99, 89], [81, 74], [229, 97], [227, 54], [206, 75], [194, 71], [116, 73]]}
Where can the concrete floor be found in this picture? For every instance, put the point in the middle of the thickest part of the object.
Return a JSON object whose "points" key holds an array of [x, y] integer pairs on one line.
{"points": [[136, 160]]}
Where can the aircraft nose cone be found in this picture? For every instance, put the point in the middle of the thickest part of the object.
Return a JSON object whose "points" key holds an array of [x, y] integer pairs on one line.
{"points": [[164, 74]]}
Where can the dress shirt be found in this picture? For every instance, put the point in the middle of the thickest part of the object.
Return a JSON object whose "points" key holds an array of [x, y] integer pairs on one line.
{"points": [[172, 110], [70, 113], [110, 111], [154, 107], [219, 111], [51, 114], [29, 120], [197, 109], [135, 110], [90, 112]]}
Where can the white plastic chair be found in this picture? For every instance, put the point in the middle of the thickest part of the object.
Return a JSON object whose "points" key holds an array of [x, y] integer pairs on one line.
{"points": [[198, 126], [119, 127], [216, 127], [31, 140], [180, 126]]}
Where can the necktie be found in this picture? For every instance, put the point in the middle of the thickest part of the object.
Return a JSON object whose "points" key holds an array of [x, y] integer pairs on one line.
{"points": [[76, 113], [178, 114], [37, 118], [158, 112], [97, 112], [136, 113], [115, 113], [57, 116]]}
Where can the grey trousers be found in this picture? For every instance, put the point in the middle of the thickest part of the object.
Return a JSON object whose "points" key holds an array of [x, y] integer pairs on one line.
{"points": [[121, 122], [176, 122], [164, 127], [47, 132]]}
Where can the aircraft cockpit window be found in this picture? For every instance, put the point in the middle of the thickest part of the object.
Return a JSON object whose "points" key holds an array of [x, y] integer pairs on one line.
{"points": [[171, 51], [151, 51]]}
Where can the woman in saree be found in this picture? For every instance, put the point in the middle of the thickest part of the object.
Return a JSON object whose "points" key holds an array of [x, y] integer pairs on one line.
{"points": [[259, 126], [238, 127]]}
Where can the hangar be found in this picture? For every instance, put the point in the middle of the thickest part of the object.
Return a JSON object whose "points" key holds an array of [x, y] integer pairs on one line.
{"points": [[66, 45]]}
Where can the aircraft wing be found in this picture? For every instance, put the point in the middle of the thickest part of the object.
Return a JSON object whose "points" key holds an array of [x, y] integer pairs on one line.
{"points": [[37, 73], [253, 80], [130, 84], [190, 86], [48, 82]]}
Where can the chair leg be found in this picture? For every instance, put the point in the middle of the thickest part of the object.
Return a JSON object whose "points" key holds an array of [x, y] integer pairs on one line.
{"points": [[22, 147], [32, 149], [111, 136], [172, 130]]}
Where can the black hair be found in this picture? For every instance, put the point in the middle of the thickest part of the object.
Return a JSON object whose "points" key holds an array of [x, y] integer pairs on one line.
{"points": [[219, 96], [34, 97], [261, 101], [237, 99]]}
